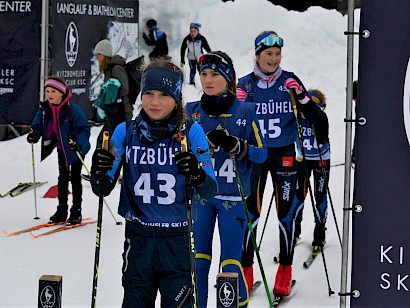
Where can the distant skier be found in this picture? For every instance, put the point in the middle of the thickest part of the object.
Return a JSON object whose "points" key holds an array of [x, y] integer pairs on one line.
{"points": [[156, 38], [196, 44]]}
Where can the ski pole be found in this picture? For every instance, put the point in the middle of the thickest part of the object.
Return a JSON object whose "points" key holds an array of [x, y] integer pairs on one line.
{"points": [[266, 221], [34, 177], [299, 129], [99, 226], [328, 191], [188, 198], [88, 172], [239, 183]]}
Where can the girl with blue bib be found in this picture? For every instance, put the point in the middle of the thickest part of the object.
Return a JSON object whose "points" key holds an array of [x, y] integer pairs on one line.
{"points": [[156, 253], [269, 86], [232, 128], [314, 158]]}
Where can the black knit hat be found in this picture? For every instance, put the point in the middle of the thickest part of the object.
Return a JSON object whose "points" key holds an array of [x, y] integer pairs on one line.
{"points": [[151, 23]]}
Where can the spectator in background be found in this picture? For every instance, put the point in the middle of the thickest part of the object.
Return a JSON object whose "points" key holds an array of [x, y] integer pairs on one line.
{"points": [[196, 44], [113, 66], [156, 38]]}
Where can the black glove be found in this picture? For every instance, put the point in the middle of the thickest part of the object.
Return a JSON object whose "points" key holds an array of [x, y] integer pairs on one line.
{"points": [[32, 137], [217, 137], [189, 166], [74, 146], [144, 35], [102, 161], [235, 145]]}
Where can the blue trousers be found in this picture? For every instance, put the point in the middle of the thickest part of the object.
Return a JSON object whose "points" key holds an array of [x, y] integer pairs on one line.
{"points": [[231, 224]]}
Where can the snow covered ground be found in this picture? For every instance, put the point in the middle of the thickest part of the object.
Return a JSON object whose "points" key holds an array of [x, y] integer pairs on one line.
{"points": [[315, 49]]}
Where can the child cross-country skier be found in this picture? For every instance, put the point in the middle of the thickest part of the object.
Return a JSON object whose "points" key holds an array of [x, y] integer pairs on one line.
{"points": [[156, 253], [57, 121]]}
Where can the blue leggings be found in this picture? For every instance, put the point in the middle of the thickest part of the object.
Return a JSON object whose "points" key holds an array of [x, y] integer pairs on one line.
{"points": [[232, 224]]}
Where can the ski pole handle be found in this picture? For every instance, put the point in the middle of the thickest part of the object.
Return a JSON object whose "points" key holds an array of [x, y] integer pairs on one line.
{"points": [[184, 144], [106, 139], [71, 141], [105, 143]]}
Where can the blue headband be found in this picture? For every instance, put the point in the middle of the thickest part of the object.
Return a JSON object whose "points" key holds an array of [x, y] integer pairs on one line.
{"points": [[217, 63], [162, 79]]}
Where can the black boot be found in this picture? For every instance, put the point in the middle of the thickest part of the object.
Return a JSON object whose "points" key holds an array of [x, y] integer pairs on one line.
{"points": [[60, 215], [319, 235], [75, 216]]}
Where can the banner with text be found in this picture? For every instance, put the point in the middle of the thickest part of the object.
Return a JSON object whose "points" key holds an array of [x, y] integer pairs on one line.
{"points": [[77, 26], [381, 237], [20, 27]]}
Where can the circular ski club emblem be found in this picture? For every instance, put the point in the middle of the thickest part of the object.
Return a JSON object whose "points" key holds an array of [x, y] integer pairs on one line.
{"points": [[226, 294], [71, 44], [47, 297]]}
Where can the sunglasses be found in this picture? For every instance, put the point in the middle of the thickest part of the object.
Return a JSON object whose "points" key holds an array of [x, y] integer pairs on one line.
{"points": [[270, 40]]}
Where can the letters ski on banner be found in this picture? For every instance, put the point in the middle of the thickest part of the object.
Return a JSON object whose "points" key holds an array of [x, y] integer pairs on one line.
{"points": [[19, 65], [77, 26], [381, 237]]}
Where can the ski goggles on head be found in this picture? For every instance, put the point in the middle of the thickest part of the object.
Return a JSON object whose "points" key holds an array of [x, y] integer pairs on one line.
{"points": [[269, 39], [214, 58], [217, 63]]}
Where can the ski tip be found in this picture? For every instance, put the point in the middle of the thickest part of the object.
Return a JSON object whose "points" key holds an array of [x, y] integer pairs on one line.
{"points": [[33, 235], [257, 283]]}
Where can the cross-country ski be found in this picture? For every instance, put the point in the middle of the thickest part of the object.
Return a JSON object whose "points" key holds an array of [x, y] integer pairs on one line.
{"points": [[278, 298], [26, 188], [63, 228], [16, 188], [20, 188], [33, 228], [255, 286], [36, 227], [312, 256]]}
